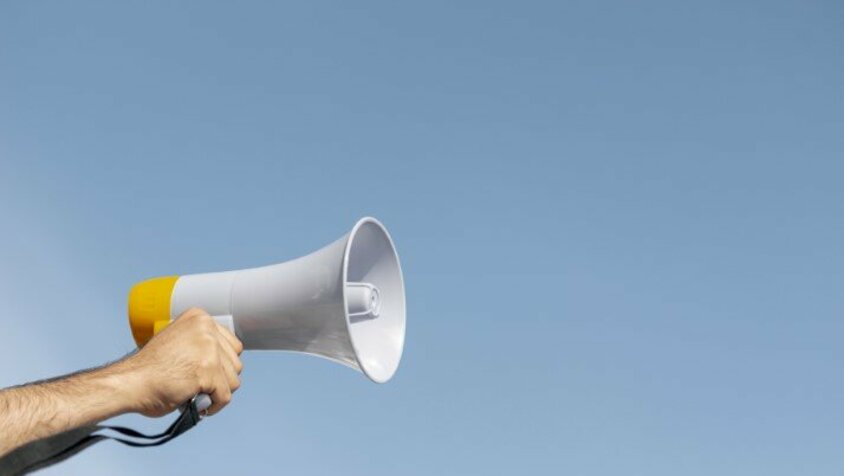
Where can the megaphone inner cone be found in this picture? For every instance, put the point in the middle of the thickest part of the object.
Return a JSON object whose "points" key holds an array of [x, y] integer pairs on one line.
{"points": [[364, 301]]}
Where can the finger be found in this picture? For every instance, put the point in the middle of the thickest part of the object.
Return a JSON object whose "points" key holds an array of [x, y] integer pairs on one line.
{"points": [[227, 353], [231, 376], [221, 395], [232, 339]]}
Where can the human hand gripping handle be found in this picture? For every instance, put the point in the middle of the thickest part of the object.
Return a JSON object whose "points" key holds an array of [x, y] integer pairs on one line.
{"points": [[193, 358], [202, 401]]}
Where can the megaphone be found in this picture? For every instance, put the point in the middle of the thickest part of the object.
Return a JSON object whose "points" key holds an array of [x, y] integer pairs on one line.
{"points": [[344, 302]]}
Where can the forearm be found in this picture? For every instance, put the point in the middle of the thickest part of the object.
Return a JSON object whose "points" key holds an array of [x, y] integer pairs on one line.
{"points": [[41, 409]]}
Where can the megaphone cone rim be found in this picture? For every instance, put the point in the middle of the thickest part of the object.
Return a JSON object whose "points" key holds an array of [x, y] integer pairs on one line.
{"points": [[363, 221]]}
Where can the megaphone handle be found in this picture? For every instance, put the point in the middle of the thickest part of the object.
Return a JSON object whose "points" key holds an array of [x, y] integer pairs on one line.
{"points": [[202, 402]]}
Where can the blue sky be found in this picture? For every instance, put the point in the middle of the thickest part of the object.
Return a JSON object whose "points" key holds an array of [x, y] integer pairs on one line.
{"points": [[620, 223]]}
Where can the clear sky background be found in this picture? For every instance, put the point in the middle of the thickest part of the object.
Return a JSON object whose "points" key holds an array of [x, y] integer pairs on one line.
{"points": [[621, 223]]}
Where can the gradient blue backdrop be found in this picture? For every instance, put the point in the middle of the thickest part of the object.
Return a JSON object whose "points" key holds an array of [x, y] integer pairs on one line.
{"points": [[620, 222]]}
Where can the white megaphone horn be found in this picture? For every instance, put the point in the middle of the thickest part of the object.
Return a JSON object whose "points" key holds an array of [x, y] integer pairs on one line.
{"points": [[344, 302]]}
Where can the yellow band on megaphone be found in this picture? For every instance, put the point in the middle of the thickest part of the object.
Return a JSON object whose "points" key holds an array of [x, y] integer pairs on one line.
{"points": [[149, 307]]}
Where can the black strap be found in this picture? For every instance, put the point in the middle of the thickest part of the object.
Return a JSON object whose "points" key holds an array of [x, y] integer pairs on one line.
{"points": [[57, 448]]}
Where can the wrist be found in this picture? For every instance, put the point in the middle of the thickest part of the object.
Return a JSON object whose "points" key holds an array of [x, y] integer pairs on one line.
{"points": [[126, 384]]}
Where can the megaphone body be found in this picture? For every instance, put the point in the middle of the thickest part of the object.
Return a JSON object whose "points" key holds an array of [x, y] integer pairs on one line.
{"points": [[344, 302]]}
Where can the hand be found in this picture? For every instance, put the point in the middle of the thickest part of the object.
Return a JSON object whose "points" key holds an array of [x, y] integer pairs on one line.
{"points": [[192, 355]]}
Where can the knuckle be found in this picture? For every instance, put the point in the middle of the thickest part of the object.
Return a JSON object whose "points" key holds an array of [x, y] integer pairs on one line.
{"points": [[203, 384], [207, 364], [203, 343], [196, 316], [208, 340], [205, 320], [193, 312]]}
